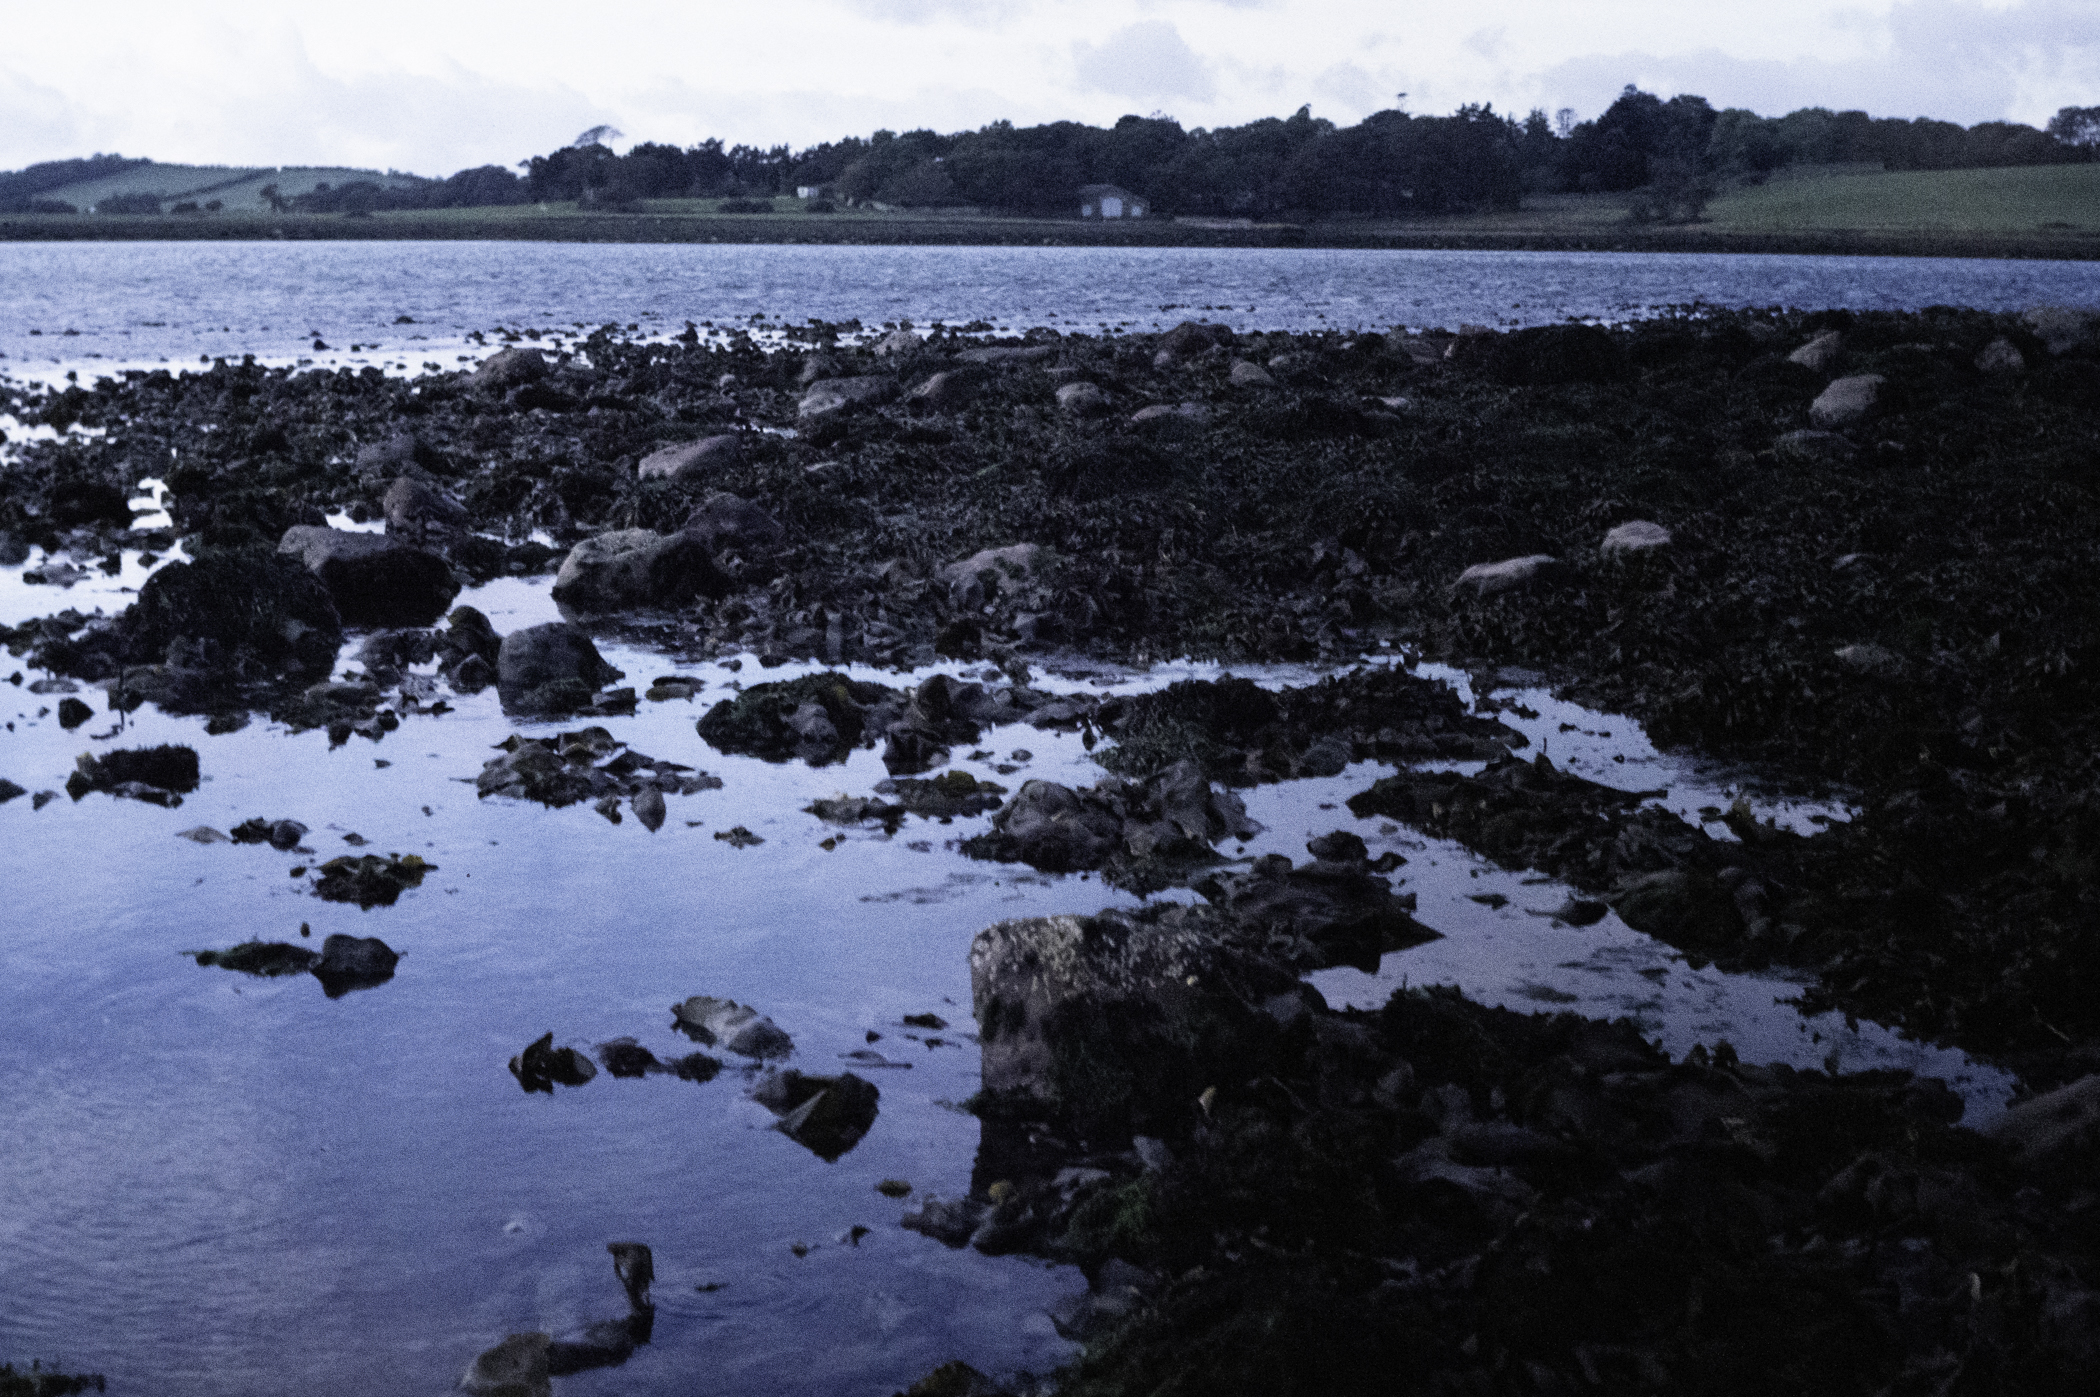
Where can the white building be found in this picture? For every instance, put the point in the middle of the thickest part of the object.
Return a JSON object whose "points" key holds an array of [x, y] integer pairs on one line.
{"points": [[1109, 201]]}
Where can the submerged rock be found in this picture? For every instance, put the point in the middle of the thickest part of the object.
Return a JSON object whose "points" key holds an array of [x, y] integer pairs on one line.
{"points": [[517, 1367], [370, 880], [542, 1064], [826, 1115], [354, 963], [156, 775], [267, 958], [1146, 834], [779, 722], [736, 1027]]}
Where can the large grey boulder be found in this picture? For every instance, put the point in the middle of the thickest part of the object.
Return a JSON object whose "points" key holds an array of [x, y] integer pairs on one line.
{"points": [[1821, 353], [1017, 562], [1082, 399], [1846, 401], [374, 580], [729, 522], [631, 568], [550, 669], [2061, 329], [1248, 374], [898, 344], [413, 509], [1635, 536], [510, 368], [1490, 579], [1189, 339], [946, 391], [689, 459], [1004, 354], [2001, 356], [828, 397]]}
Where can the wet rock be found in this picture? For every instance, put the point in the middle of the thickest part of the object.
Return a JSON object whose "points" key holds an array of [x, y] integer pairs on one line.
{"points": [[278, 834], [738, 1028], [648, 805], [12, 550], [414, 510], [948, 391], [1821, 353], [550, 668], [1811, 447], [1189, 339], [826, 1115], [1509, 575], [354, 963], [772, 721], [72, 713], [267, 958], [956, 1378], [1846, 401], [971, 588], [373, 579], [952, 795], [1145, 834], [1873, 661], [2001, 356], [605, 1344], [631, 568], [1007, 355], [726, 523], [1555, 354], [585, 764], [202, 834], [1171, 419], [233, 604], [624, 1057], [694, 460], [1635, 537], [370, 880], [542, 1064], [833, 397], [898, 344], [1247, 374], [401, 454], [951, 1222], [1332, 911], [9, 790], [1082, 399], [2061, 329], [737, 837], [517, 1367], [2055, 1127], [510, 368], [157, 775]]}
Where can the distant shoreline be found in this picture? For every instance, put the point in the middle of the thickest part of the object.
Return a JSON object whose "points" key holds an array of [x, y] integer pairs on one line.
{"points": [[982, 232]]}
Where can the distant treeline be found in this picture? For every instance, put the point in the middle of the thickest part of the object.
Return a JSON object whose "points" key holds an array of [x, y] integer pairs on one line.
{"points": [[22, 190], [1670, 154]]}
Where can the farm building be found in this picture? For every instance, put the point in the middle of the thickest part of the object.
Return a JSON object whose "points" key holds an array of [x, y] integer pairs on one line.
{"points": [[1109, 201]]}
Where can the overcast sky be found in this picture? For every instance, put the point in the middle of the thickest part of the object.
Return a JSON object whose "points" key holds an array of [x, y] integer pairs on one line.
{"points": [[433, 86]]}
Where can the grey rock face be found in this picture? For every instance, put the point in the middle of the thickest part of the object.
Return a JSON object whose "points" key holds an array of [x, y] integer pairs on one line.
{"points": [[631, 568], [372, 579]]}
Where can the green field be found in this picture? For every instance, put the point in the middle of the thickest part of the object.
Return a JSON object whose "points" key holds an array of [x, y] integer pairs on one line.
{"points": [[2045, 211]]}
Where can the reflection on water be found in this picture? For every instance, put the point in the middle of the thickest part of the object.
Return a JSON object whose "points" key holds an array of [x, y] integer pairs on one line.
{"points": [[225, 1182]]}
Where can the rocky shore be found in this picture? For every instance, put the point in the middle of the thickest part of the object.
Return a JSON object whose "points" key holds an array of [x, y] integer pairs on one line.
{"points": [[1852, 552]]}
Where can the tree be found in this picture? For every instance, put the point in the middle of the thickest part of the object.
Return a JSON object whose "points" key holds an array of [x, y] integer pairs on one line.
{"points": [[2076, 126]]}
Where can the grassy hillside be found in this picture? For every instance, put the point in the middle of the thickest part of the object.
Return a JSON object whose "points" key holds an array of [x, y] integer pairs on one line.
{"points": [[237, 187], [2058, 198]]}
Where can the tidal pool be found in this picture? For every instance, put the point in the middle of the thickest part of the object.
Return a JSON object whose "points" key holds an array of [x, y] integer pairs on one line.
{"points": [[226, 1184]]}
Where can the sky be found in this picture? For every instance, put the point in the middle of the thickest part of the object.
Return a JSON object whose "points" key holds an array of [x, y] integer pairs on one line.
{"points": [[433, 86]]}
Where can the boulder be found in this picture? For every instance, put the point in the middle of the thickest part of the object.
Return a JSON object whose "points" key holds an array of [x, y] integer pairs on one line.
{"points": [[1002, 354], [1543, 355], [1633, 537], [12, 550], [1014, 563], [2001, 356], [517, 1367], [354, 963], [268, 606], [373, 580], [1811, 447], [510, 368], [1247, 374], [401, 454], [826, 1115], [2056, 1126], [550, 669], [898, 344], [1082, 399], [692, 459], [542, 1064], [828, 397], [630, 568], [726, 522], [1820, 354], [414, 509], [1490, 579], [946, 391], [1187, 340], [2061, 329], [739, 1028], [1170, 418], [1846, 400]]}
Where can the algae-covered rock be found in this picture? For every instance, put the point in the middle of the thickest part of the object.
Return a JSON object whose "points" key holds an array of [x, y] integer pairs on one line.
{"points": [[370, 880], [1146, 834], [630, 568], [157, 775], [373, 579], [739, 1028], [779, 722], [267, 958], [354, 963]]}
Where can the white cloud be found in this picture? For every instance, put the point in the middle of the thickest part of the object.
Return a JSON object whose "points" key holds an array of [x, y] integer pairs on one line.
{"points": [[1144, 61]]}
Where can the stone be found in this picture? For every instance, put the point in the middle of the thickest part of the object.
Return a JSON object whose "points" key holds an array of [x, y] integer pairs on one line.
{"points": [[72, 713], [1811, 447], [826, 1115], [12, 550], [1082, 399], [1846, 401], [551, 668], [725, 522], [828, 397], [970, 587], [517, 1367], [898, 344], [1633, 537], [2001, 356], [170, 769], [692, 459], [401, 454], [946, 391], [1820, 353], [414, 509], [1170, 418], [648, 806], [354, 963], [1003, 354], [510, 368], [1247, 374], [630, 568], [373, 580], [738, 1028], [269, 606], [265, 958], [1187, 340], [1511, 574], [542, 1064], [2055, 1126], [1873, 661], [2061, 329]]}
